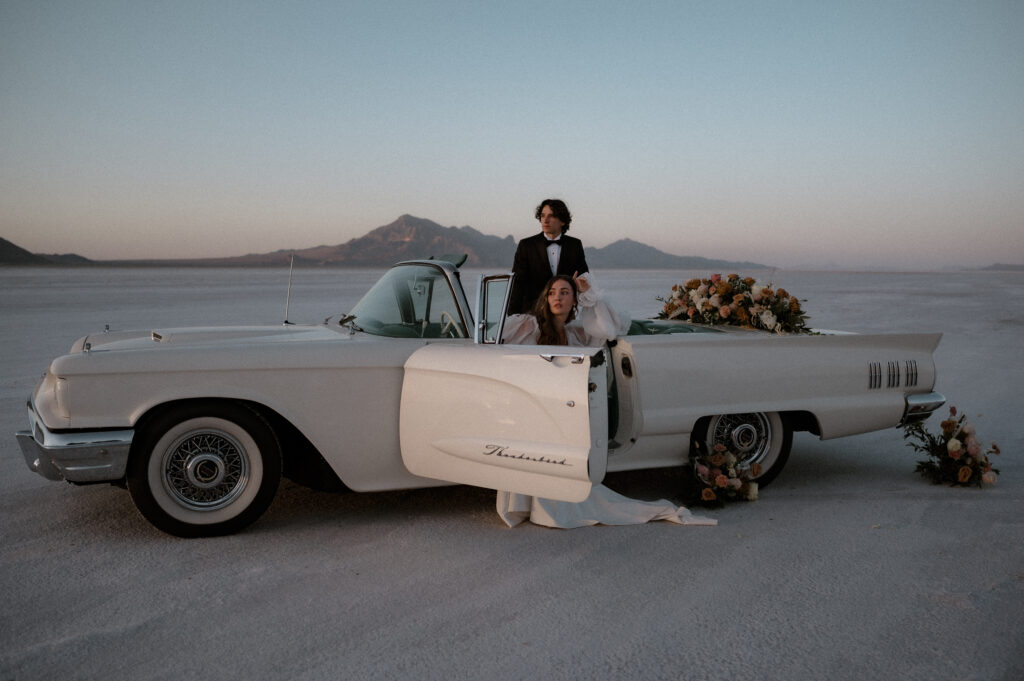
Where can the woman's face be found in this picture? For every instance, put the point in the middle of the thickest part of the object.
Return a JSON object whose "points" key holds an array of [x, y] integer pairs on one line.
{"points": [[550, 224], [561, 298]]}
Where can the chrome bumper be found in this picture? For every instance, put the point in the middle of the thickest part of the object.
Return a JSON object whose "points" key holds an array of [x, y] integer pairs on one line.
{"points": [[919, 407], [93, 456]]}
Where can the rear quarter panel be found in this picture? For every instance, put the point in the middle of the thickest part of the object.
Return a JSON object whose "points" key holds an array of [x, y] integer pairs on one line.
{"points": [[681, 378]]}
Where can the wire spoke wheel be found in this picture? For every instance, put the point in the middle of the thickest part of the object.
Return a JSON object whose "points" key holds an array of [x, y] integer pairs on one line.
{"points": [[760, 438], [204, 469]]}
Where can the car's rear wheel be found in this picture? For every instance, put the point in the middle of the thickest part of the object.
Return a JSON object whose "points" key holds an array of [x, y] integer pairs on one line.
{"points": [[204, 469], [759, 437]]}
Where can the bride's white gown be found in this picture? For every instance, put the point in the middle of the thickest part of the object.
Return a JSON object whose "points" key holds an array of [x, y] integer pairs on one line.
{"points": [[595, 323]]}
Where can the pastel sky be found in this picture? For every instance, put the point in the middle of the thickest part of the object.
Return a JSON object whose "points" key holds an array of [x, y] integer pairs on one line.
{"points": [[799, 134]]}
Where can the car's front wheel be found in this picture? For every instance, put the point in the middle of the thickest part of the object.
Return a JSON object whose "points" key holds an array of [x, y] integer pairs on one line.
{"points": [[204, 469], [759, 437]]}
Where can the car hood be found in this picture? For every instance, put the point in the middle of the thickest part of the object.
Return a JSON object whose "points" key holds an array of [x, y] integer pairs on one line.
{"points": [[202, 336]]}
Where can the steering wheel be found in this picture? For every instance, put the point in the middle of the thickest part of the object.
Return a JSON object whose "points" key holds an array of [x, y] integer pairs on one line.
{"points": [[449, 328]]}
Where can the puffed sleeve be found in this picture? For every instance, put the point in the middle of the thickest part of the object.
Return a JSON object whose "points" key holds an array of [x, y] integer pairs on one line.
{"points": [[598, 319], [520, 329]]}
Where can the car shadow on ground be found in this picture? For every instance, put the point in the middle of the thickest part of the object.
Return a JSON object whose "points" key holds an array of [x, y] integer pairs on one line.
{"points": [[298, 505]]}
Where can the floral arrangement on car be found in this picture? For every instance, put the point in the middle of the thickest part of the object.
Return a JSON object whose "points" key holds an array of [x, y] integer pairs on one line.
{"points": [[735, 300], [955, 454], [722, 477]]}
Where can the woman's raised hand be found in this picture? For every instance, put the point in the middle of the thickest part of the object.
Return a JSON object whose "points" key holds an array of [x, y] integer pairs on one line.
{"points": [[582, 284]]}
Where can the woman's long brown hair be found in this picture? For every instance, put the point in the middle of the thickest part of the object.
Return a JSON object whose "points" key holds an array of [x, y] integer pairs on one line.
{"points": [[545, 320]]}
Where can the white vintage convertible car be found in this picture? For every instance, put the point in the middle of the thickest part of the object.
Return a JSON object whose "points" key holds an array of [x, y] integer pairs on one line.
{"points": [[412, 390]]}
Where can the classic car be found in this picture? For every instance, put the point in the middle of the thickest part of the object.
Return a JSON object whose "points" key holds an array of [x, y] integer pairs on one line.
{"points": [[410, 389]]}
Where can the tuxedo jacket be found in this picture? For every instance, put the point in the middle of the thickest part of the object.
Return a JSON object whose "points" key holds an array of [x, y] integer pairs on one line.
{"points": [[532, 269]]}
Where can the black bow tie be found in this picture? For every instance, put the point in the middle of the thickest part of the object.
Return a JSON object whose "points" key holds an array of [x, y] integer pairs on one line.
{"points": [[555, 242]]}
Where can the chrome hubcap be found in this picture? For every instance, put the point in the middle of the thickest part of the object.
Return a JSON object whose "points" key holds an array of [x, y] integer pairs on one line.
{"points": [[748, 436], [205, 470]]}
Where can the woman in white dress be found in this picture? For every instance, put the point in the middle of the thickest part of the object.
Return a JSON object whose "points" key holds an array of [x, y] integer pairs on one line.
{"points": [[570, 312]]}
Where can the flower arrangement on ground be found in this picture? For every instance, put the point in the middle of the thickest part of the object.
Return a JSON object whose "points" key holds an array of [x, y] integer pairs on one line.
{"points": [[735, 300], [955, 454], [721, 475]]}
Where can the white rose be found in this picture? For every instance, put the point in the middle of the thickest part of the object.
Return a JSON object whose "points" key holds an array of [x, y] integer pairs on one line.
{"points": [[768, 319], [953, 446]]}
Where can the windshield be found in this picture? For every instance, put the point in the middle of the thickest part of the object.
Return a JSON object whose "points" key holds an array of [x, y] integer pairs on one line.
{"points": [[411, 301]]}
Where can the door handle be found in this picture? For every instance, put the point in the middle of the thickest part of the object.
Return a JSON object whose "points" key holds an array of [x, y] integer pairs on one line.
{"points": [[575, 357]]}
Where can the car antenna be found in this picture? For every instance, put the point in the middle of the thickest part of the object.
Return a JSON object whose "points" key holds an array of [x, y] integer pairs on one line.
{"points": [[288, 297]]}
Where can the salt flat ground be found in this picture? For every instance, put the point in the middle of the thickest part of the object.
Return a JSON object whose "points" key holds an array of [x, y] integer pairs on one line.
{"points": [[850, 566]]}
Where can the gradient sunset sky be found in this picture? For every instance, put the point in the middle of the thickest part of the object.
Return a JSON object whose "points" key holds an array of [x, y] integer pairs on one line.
{"points": [[800, 134]]}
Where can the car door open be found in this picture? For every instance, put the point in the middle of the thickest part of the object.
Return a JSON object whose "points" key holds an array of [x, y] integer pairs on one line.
{"points": [[519, 418]]}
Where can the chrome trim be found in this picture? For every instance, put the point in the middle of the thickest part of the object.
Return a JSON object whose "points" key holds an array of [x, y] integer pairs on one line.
{"points": [[484, 304], [93, 456], [874, 375], [920, 406], [911, 373], [893, 375]]}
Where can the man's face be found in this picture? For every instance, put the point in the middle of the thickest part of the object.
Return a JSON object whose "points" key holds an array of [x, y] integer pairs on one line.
{"points": [[549, 224]]}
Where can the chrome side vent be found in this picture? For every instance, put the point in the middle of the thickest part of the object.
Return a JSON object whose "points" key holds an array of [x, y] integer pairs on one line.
{"points": [[911, 365], [874, 375], [893, 374]]}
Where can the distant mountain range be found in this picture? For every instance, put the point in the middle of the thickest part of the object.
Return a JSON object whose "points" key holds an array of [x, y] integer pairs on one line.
{"points": [[407, 238], [11, 254]]}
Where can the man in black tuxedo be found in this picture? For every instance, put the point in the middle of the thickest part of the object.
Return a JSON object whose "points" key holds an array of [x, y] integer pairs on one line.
{"points": [[542, 256]]}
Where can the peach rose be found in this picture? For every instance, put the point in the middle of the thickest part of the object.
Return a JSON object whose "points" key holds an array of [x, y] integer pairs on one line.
{"points": [[964, 474], [721, 481], [708, 494], [988, 477]]}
